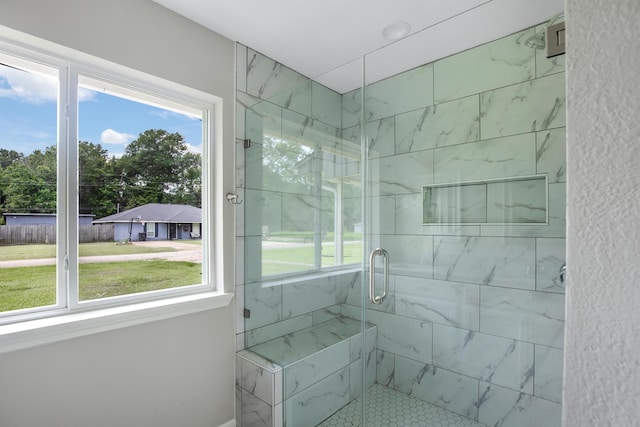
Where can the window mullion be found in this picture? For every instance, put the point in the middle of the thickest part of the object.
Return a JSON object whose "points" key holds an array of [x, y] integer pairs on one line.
{"points": [[71, 189]]}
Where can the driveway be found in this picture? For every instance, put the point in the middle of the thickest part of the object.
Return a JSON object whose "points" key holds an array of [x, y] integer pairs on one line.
{"points": [[182, 252]]}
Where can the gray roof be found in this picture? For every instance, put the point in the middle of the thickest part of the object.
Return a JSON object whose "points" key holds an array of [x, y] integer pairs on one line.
{"points": [[157, 212]]}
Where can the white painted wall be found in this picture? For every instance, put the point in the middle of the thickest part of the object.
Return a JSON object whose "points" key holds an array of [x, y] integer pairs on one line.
{"points": [[602, 354], [176, 372]]}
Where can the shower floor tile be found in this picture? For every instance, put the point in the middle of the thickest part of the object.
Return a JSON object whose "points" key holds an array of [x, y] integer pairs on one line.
{"points": [[390, 408]]}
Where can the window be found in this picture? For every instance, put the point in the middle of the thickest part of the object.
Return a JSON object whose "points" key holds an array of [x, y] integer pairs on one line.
{"points": [[95, 162]]}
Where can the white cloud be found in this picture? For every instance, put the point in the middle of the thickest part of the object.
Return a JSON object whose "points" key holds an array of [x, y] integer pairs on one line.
{"points": [[29, 87], [32, 87], [194, 149], [110, 136]]}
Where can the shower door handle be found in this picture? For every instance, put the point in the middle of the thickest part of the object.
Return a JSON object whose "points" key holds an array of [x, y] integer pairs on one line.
{"points": [[377, 299]]}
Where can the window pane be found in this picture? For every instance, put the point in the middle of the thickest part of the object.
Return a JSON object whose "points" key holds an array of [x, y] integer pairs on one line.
{"points": [[28, 177], [139, 191]]}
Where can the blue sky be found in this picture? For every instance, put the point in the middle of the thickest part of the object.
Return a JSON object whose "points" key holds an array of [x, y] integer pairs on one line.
{"points": [[28, 116]]}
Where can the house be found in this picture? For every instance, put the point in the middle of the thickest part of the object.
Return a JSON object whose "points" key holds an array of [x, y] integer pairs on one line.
{"points": [[41, 219], [179, 370], [156, 221]]}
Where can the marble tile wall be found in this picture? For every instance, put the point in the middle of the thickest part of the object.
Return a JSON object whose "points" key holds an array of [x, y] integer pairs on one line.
{"points": [[475, 319], [477, 314]]}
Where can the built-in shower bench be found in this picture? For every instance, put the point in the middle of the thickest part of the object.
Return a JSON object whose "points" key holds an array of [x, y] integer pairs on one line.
{"points": [[304, 376]]}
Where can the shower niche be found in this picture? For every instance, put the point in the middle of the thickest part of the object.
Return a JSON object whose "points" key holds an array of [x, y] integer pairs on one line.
{"points": [[515, 201]]}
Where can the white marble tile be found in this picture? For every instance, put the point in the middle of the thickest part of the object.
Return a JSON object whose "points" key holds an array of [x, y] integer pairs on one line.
{"points": [[551, 154], [525, 107], [449, 123], [385, 371], [485, 357], [257, 381], [278, 329], [486, 260], [241, 67], [356, 342], [381, 137], [307, 296], [455, 204], [405, 173], [532, 316], [555, 228], [255, 412], [355, 387], [382, 211], [494, 158], [351, 108], [501, 407], [348, 288], [550, 256], [296, 98], [308, 371], [403, 92], [239, 212], [409, 255], [548, 377], [309, 407], [267, 78], [492, 65], [326, 105], [239, 306], [262, 119], [517, 201], [409, 219], [457, 393], [238, 405], [265, 304], [403, 336], [544, 65], [448, 303], [325, 314]]}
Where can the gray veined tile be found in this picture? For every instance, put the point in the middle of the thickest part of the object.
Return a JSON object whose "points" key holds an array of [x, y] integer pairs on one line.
{"points": [[551, 154], [255, 412], [494, 158], [499, 406], [262, 119], [326, 105], [492, 65], [401, 174], [267, 78], [455, 392], [448, 303], [403, 92], [486, 260], [502, 361], [548, 380], [297, 98], [380, 137], [402, 336], [440, 125], [455, 204], [385, 368], [408, 255], [257, 380], [265, 304], [525, 107], [241, 67], [550, 256], [531, 316], [265, 333], [517, 201], [352, 108], [307, 296]]}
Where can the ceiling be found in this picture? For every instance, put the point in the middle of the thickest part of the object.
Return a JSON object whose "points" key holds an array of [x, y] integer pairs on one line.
{"points": [[325, 40]]}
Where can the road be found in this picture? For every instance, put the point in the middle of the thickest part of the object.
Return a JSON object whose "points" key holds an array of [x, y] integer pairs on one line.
{"points": [[182, 252]]}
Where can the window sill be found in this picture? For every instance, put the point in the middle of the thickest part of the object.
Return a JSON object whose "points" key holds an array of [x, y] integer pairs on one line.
{"points": [[33, 333]]}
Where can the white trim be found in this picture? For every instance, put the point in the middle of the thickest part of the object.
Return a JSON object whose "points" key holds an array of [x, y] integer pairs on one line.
{"points": [[230, 423], [18, 336]]}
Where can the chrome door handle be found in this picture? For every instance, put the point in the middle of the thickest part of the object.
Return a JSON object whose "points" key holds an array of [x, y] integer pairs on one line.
{"points": [[377, 299]]}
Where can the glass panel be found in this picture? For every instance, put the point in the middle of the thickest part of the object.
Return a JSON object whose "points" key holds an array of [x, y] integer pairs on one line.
{"points": [[28, 184], [139, 192]]}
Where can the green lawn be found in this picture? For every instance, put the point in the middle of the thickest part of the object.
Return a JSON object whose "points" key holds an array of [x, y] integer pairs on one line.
{"points": [[288, 260], [26, 287], [86, 249]]}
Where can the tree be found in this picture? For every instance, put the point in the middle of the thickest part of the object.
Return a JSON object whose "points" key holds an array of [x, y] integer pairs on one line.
{"points": [[157, 168], [98, 185]]}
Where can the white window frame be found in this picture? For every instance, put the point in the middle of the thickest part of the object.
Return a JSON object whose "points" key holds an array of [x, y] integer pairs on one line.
{"points": [[70, 317]]}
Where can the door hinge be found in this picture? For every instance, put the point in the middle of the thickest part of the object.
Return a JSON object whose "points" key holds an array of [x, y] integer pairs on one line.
{"points": [[246, 313], [247, 143]]}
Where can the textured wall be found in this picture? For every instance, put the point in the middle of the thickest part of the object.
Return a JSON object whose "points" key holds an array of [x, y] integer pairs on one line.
{"points": [[602, 380]]}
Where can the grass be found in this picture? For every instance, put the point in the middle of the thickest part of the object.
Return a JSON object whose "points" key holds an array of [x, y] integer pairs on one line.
{"points": [[291, 259], [27, 287], [86, 249]]}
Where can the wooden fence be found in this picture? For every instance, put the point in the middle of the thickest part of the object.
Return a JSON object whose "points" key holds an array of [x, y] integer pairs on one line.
{"points": [[34, 234]]}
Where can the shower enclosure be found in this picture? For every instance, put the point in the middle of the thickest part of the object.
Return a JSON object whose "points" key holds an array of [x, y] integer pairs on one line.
{"points": [[400, 244]]}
